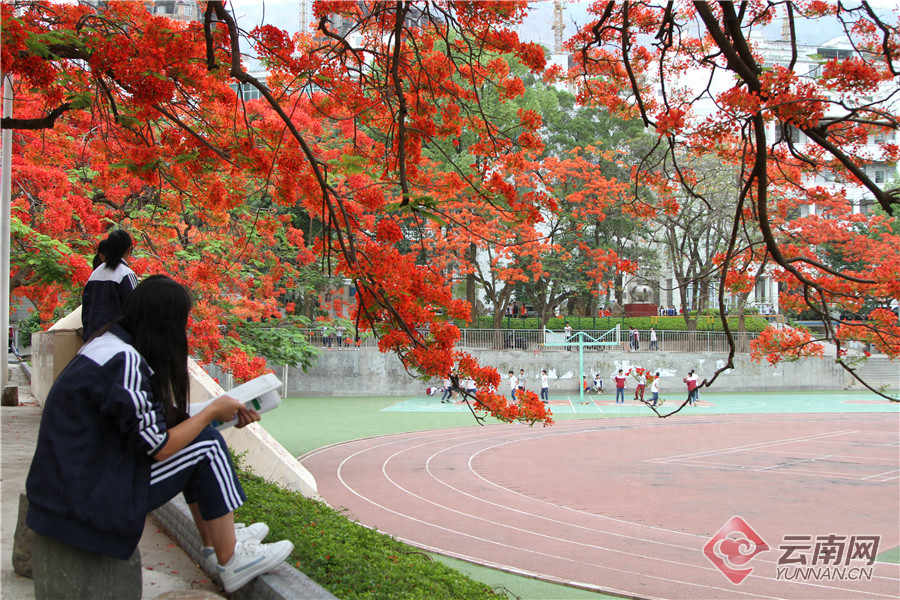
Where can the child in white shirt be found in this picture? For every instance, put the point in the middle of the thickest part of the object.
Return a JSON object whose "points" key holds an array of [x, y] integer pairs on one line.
{"points": [[545, 387]]}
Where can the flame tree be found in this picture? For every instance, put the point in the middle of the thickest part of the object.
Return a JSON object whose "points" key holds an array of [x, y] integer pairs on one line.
{"points": [[633, 59]]}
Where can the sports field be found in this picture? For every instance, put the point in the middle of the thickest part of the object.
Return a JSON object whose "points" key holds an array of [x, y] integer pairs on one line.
{"points": [[762, 461]]}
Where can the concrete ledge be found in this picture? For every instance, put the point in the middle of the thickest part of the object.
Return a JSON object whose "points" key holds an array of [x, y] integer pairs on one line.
{"points": [[269, 459], [284, 583], [27, 369], [64, 571], [264, 454]]}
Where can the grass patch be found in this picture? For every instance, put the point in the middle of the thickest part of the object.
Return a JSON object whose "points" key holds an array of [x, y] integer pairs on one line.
{"points": [[347, 559], [890, 556], [533, 589]]}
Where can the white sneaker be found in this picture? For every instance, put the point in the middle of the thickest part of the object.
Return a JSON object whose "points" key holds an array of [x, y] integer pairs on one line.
{"points": [[250, 559], [242, 532], [257, 531]]}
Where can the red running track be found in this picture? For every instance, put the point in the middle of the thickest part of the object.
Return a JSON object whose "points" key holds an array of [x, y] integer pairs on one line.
{"points": [[626, 505]]}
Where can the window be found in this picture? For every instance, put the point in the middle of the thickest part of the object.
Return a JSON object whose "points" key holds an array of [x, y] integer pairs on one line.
{"points": [[866, 205], [787, 132], [879, 176], [829, 53], [165, 7], [248, 92], [761, 290]]}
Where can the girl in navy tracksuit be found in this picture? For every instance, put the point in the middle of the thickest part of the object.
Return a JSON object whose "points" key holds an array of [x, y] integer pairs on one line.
{"points": [[116, 442], [109, 285]]}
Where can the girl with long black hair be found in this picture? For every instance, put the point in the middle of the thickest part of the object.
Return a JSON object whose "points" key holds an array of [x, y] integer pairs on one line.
{"points": [[116, 442], [109, 284]]}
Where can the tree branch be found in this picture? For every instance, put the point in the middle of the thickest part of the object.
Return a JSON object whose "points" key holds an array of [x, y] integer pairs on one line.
{"points": [[45, 122]]}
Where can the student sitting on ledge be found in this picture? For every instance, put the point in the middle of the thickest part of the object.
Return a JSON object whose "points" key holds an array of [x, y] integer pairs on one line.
{"points": [[116, 442]]}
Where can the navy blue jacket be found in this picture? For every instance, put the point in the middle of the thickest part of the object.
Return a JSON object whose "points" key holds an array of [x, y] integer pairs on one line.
{"points": [[90, 474], [104, 295]]}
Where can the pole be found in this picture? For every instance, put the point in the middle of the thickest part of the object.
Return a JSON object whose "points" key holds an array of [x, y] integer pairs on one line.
{"points": [[581, 366], [5, 227]]}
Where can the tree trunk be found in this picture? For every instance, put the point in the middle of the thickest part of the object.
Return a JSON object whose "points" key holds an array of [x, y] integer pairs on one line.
{"points": [[619, 290], [497, 336], [470, 284]]}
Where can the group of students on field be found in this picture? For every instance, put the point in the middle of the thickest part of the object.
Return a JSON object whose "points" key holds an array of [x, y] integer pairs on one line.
{"points": [[691, 380], [517, 385], [448, 392], [117, 439]]}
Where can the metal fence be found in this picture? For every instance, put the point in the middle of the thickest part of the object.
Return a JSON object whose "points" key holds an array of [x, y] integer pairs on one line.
{"points": [[533, 339], [321, 339], [670, 341]]}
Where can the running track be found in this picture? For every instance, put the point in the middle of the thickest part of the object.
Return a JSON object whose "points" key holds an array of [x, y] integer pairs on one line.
{"points": [[626, 505]]}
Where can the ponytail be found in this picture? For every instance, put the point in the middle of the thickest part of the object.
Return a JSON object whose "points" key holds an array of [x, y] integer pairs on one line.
{"points": [[100, 257], [117, 244]]}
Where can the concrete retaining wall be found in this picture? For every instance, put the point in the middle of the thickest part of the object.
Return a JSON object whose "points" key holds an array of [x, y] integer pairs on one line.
{"points": [[262, 452], [367, 372]]}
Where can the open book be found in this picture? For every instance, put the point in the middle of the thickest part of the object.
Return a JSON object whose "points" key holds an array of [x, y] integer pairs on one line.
{"points": [[259, 394]]}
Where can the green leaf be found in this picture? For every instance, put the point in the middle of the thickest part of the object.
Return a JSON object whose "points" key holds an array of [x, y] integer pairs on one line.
{"points": [[181, 158], [80, 100], [41, 43]]}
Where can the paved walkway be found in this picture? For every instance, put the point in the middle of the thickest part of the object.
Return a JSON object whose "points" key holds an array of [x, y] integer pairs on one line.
{"points": [[166, 567]]}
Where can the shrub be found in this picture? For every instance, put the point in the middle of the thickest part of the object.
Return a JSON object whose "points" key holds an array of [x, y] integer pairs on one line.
{"points": [[347, 559], [706, 322], [27, 326]]}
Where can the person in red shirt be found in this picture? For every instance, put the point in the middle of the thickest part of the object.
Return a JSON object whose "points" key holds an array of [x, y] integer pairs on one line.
{"points": [[641, 386], [693, 385], [621, 382]]}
